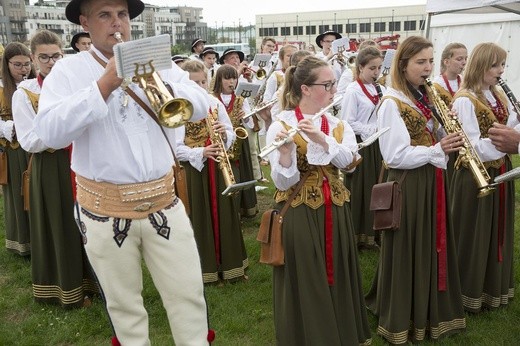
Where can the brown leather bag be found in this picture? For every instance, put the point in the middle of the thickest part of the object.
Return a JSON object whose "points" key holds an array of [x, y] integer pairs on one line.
{"points": [[270, 232], [181, 187], [26, 182], [3, 168], [385, 202]]}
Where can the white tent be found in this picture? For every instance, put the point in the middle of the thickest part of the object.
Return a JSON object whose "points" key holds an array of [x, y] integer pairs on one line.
{"points": [[474, 21]]}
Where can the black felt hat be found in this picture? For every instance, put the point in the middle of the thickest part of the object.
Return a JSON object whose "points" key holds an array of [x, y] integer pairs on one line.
{"points": [[75, 39], [195, 42], [229, 51], [73, 9], [179, 58], [320, 36], [208, 50]]}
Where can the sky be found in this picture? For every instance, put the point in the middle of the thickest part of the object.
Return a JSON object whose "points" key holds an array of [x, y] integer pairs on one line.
{"points": [[231, 11]]}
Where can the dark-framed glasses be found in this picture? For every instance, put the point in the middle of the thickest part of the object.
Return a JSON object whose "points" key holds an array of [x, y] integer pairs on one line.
{"points": [[44, 58], [328, 86], [19, 65]]}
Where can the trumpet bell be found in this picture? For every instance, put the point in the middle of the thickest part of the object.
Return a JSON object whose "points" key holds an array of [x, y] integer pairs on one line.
{"points": [[175, 112], [260, 74]]}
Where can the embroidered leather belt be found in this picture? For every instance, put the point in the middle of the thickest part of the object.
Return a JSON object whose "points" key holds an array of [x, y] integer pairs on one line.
{"points": [[128, 201]]}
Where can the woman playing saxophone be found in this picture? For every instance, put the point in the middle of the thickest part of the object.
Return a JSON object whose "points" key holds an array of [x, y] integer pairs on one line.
{"points": [[216, 220]]}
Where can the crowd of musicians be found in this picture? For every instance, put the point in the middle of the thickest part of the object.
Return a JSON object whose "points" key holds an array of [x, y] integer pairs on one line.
{"points": [[88, 185]]}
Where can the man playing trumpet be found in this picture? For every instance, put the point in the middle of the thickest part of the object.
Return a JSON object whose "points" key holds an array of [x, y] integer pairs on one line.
{"points": [[123, 163]]}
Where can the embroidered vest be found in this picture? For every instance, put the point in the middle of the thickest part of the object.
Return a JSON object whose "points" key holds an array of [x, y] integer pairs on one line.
{"points": [[444, 94], [196, 134], [485, 119], [415, 123], [311, 193], [6, 114]]}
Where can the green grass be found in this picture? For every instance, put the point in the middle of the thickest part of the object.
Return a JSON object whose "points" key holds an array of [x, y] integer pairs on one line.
{"points": [[240, 313]]}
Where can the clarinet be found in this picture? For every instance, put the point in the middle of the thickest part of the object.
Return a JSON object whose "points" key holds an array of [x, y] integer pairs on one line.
{"points": [[510, 95]]}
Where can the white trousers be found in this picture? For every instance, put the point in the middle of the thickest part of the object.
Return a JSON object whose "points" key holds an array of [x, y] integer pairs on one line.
{"points": [[173, 263]]}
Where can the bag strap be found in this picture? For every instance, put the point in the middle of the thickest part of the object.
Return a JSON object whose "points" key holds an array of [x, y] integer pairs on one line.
{"points": [[143, 105], [29, 165], [294, 193], [382, 173]]}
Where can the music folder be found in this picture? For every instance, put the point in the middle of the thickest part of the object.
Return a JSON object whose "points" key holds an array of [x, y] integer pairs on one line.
{"points": [[246, 89], [142, 54], [238, 187]]}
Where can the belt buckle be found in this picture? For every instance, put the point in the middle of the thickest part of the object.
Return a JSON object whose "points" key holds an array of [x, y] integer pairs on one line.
{"points": [[144, 206]]}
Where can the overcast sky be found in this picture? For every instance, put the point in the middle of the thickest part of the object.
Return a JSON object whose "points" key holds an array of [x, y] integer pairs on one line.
{"points": [[229, 11]]}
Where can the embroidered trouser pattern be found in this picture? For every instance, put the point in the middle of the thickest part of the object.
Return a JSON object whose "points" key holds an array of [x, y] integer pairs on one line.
{"points": [[165, 241]]}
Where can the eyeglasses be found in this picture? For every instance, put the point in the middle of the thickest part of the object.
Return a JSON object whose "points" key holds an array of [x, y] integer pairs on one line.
{"points": [[20, 65], [328, 86], [44, 58], [328, 41]]}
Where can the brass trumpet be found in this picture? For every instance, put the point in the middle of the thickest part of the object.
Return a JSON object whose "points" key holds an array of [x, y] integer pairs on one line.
{"points": [[171, 112]]}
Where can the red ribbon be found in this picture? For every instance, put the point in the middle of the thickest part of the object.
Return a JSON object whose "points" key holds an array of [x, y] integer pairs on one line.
{"points": [[329, 255], [442, 256], [448, 83], [501, 214], [373, 98], [212, 177]]}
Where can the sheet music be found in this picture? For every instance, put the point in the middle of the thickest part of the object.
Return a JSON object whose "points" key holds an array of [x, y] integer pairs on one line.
{"points": [[155, 50], [342, 44], [246, 90], [265, 58]]}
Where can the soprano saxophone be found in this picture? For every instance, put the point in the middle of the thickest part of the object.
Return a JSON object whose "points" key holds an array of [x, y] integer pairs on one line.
{"points": [[223, 159], [467, 153]]}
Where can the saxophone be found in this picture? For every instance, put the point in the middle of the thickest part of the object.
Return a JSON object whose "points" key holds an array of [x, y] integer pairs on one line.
{"points": [[467, 153], [223, 159], [240, 131]]}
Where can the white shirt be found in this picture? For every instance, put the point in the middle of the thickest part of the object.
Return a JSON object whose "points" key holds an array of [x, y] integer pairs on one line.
{"points": [[6, 126], [112, 142], [466, 113], [454, 84], [395, 143], [358, 110], [346, 78], [23, 115], [339, 154], [195, 155], [226, 99]]}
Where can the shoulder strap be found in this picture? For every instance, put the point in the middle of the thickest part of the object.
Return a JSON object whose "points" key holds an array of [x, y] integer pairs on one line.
{"points": [[143, 105], [294, 193]]}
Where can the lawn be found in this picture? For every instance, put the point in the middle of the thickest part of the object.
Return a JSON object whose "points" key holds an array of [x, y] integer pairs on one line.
{"points": [[240, 313]]}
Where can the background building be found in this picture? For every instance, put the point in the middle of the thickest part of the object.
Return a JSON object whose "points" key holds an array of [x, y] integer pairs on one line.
{"points": [[301, 28]]}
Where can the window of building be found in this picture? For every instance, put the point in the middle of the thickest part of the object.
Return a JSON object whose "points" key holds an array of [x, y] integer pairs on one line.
{"points": [[421, 24], [394, 26], [337, 28], [323, 28], [310, 30], [364, 27], [379, 27], [410, 25], [350, 28], [285, 31], [297, 30]]}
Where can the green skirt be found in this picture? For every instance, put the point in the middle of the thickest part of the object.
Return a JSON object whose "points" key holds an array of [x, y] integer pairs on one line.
{"points": [[248, 202], [17, 232], [360, 183], [223, 254], [60, 271], [486, 280], [307, 311], [404, 294]]}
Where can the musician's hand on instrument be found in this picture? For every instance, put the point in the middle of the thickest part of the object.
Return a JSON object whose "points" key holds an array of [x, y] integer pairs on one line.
{"points": [[265, 114], [219, 127], [109, 81], [240, 114], [452, 143], [211, 151], [315, 134], [287, 147], [504, 138]]}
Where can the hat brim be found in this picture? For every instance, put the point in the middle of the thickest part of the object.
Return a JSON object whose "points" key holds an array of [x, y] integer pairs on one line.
{"points": [[196, 42], [240, 55], [75, 39], [73, 9], [201, 55], [320, 37]]}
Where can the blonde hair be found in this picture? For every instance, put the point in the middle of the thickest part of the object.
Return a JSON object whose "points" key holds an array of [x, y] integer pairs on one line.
{"points": [[447, 53], [483, 57], [194, 66]]}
